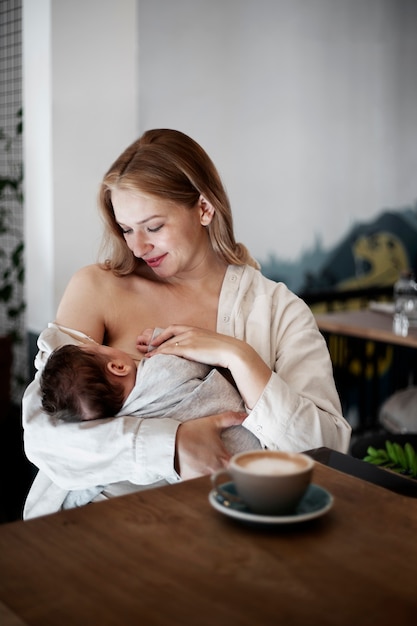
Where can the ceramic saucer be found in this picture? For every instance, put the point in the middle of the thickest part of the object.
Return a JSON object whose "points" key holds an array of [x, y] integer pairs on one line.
{"points": [[315, 502]]}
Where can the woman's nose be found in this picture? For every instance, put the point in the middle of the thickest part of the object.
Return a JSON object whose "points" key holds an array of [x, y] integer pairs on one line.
{"points": [[140, 245]]}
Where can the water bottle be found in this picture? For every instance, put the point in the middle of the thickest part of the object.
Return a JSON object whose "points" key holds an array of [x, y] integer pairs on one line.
{"points": [[405, 304]]}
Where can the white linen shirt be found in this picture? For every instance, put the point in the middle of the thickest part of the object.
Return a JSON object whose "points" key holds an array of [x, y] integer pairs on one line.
{"points": [[299, 408]]}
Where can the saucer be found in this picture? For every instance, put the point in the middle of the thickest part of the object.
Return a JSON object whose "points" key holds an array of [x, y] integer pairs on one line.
{"points": [[315, 502]]}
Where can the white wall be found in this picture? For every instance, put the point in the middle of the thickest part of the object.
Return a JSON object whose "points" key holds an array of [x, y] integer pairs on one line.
{"points": [[308, 107], [80, 107]]}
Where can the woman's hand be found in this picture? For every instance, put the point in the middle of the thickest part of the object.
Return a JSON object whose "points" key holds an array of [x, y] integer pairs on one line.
{"points": [[199, 449], [195, 344], [250, 372]]}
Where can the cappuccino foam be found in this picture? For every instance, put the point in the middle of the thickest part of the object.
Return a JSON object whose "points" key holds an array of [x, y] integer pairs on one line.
{"points": [[269, 465]]}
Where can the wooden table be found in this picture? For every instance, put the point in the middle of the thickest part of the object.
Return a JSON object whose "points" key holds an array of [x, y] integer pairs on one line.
{"points": [[165, 556], [365, 324]]}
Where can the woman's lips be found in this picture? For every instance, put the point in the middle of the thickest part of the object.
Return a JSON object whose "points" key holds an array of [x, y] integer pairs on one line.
{"points": [[155, 261]]}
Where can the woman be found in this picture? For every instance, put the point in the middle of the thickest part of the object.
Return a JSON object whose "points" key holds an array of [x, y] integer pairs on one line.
{"points": [[174, 263]]}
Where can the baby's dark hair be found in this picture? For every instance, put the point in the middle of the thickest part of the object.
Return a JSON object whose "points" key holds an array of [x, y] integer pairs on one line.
{"points": [[75, 386]]}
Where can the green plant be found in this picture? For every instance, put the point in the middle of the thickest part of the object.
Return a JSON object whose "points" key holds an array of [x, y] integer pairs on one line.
{"points": [[11, 238], [398, 458]]}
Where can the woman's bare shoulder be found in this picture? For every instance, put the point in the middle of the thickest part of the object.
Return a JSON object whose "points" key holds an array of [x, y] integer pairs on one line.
{"points": [[91, 271], [92, 276], [83, 303]]}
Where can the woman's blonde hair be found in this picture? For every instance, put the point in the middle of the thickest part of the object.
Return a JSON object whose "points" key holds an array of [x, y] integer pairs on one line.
{"points": [[168, 164]]}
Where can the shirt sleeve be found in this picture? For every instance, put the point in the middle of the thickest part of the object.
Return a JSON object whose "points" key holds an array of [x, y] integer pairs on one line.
{"points": [[299, 408], [285, 420]]}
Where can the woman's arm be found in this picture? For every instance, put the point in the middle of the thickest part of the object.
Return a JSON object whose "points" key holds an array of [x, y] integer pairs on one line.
{"points": [[299, 408], [83, 305]]}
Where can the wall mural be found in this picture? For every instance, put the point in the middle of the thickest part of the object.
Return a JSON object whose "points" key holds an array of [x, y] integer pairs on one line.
{"points": [[371, 255]]}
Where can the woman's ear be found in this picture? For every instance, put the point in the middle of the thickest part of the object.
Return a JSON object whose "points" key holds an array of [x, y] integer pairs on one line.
{"points": [[206, 211], [118, 368]]}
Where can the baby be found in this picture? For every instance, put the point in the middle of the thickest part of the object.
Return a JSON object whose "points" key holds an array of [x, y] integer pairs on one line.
{"points": [[93, 381]]}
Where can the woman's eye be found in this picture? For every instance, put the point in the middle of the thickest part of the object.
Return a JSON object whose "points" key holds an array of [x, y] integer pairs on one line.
{"points": [[155, 229], [126, 231]]}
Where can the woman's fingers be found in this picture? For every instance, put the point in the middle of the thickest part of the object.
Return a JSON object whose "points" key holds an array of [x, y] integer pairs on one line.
{"points": [[199, 447], [146, 337], [196, 344], [230, 418]]}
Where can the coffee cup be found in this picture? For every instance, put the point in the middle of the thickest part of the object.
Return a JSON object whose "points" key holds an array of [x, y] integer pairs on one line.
{"points": [[270, 482]]}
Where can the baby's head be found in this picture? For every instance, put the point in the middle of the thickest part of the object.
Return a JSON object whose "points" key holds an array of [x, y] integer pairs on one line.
{"points": [[86, 382]]}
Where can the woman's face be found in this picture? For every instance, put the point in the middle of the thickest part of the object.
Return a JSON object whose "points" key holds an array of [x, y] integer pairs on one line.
{"points": [[170, 238]]}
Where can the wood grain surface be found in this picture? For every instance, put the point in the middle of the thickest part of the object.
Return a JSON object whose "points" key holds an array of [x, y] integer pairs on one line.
{"points": [[365, 324], [165, 556]]}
